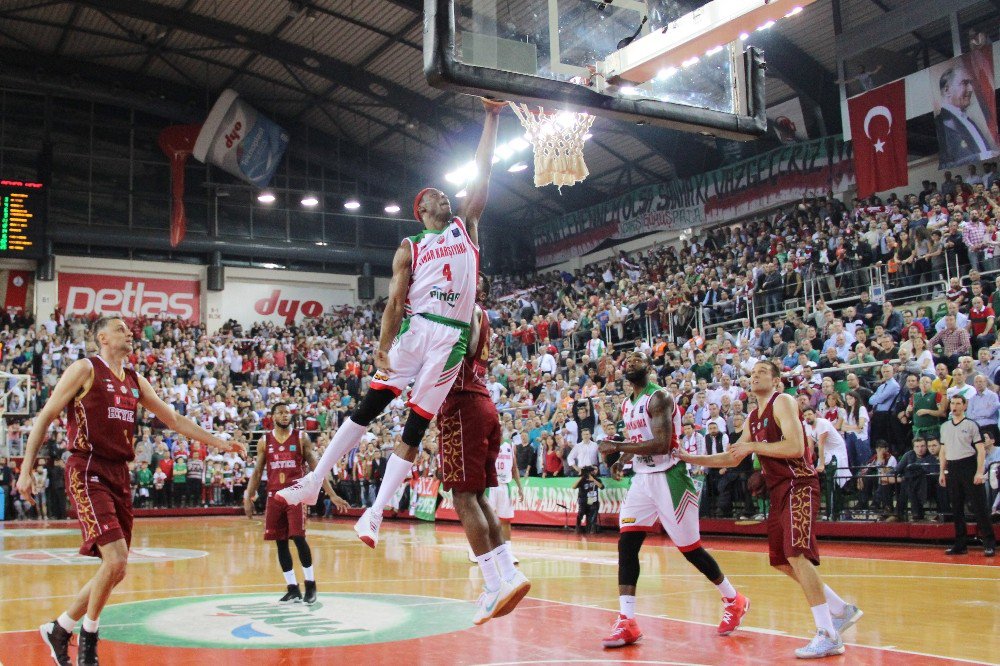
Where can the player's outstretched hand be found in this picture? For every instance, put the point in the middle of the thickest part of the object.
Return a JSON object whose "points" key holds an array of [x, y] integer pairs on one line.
{"points": [[26, 486], [248, 507], [617, 472], [236, 447], [339, 503], [494, 106], [606, 446]]}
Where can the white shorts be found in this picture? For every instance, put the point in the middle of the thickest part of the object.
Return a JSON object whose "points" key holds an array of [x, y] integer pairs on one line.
{"points": [[501, 501], [429, 355], [668, 497]]}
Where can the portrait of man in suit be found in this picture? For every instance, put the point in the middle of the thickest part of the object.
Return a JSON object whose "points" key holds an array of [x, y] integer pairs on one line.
{"points": [[962, 137]]}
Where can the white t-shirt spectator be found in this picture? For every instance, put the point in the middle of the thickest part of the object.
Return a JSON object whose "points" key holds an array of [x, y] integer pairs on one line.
{"points": [[833, 446], [584, 454]]}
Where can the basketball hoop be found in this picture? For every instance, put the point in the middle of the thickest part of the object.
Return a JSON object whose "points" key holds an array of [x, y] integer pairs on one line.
{"points": [[557, 141]]}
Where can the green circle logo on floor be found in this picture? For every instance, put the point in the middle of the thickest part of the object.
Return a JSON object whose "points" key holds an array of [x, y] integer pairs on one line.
{"points": [[242, 621]]}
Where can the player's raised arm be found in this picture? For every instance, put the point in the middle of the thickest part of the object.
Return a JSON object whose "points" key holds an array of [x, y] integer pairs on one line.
{"points": [[392, 317], [479, 189], [180, 424]]}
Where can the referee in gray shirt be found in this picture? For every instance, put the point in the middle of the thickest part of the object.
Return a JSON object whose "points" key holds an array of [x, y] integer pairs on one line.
{"points": [[962, 457]]}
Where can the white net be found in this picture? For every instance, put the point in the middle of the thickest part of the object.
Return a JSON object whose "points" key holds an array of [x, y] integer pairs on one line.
{"points": [[557, 139]]}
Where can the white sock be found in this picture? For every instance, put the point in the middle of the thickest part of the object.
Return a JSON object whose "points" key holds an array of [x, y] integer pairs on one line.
{"points": [[396, 471], [835, 603], [308, 572], [627, 604], [726, 589], [90, 626], [290, 577], [823, 619], [346, 438], [505, 561], [66, 622], [491, 576]]}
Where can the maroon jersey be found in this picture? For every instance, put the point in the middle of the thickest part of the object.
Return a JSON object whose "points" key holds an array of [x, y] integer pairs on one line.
{"points": [[472, 377], [284, 462], [764, 428], [101, 422]]}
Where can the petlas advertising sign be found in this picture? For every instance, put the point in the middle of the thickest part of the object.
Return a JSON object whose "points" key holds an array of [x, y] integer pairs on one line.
{"points": [[129, 297]]}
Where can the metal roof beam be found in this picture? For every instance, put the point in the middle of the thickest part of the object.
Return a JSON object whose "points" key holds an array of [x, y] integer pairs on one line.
{"points": [[330, 68]]}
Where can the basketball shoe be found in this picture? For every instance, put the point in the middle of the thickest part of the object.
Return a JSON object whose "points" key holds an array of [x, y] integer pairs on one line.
{"points": [[822, 645], [367, 527], [293, 596], [87, 654], [310, 597], [512, 591], [847, 619], [732, 615], [304, 491], [57, 639], [624, 631], [487, 605]]}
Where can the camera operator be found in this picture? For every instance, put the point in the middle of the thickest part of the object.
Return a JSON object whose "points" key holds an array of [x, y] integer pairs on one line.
{"points": [[588, 503]]}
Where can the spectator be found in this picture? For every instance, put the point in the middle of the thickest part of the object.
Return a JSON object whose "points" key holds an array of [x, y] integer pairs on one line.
{"points": [[983, 406], [954, 340], [882, 402], [981, 324], [583, 454], [916, 471]]}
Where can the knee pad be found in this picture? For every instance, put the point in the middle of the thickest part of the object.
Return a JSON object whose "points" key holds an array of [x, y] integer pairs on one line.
{"points": [[284, 555], [414, 429], [373, 404], [629, 544], [705, 563]]}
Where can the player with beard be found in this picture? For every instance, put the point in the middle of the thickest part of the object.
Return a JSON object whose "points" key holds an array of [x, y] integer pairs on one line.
{"points": [[775, 433], [284, 452], [101, 422], [661, 491]]}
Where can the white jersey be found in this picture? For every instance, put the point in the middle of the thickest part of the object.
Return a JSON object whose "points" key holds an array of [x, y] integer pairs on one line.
{"points": [[638, 429], [444, 273], [505, 464]]}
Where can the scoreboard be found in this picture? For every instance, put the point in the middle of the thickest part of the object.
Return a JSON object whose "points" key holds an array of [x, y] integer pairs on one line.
{"points": [[21, 219]]}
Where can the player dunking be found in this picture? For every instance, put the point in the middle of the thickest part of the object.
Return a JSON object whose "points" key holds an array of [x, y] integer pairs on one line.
{"points": [[776, 434], [101, 425], [434, 286], [284, 452], [661, 491], [469, 428]]}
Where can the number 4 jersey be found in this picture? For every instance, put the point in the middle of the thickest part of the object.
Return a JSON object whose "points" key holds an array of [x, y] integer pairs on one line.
{"points": [[444, 273], [638, 429]]}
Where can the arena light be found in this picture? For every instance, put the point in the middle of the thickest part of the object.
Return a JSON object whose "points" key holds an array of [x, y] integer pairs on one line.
{"points": [[321, 243], [309, 200], [266, 197], [766, 26], [520, 166], [352, 204], [463, 174], [392, 209], [461, 194]]}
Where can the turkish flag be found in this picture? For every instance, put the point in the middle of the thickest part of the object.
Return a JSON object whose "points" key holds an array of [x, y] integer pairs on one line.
{"points": [[878, 131]]}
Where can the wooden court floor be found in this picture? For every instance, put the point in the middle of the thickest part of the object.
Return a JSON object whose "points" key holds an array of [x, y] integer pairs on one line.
{"points": [[203, 591]]}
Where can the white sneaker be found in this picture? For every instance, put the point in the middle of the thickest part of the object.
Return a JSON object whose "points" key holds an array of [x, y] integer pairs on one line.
{"points": [[487, 605], [847, 619], [822, 645], [367, 528], [512, 590], [304, 491]]}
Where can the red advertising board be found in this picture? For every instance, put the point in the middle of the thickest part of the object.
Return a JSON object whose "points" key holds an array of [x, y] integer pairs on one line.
{"points": [[129, 296]]}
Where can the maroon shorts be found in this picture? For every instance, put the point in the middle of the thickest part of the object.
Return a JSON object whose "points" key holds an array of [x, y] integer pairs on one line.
{"points": [[469, 443], [282, 522], [792, 519], [102, 498]]}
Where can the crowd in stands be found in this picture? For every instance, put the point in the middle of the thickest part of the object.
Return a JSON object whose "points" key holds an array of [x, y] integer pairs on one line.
{"points": [[793, 287]]}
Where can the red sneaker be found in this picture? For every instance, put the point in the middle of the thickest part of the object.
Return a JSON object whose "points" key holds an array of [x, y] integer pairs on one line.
{"points": [[733, 613], [625, 631]]}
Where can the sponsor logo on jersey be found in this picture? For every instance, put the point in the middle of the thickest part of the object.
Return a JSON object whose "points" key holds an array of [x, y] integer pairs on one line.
{"points": [[381, 376], [135, 393], [441, 252], [456, 233], [448, 297], [119, 414]]}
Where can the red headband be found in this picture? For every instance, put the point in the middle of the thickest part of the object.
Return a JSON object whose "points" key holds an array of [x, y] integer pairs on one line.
{"points": [[416, 203]]}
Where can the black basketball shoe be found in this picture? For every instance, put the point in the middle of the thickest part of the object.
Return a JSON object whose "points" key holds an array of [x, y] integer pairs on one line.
{"points": [[293, 596], [57, 639], [310, 597], [87, 654]]}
